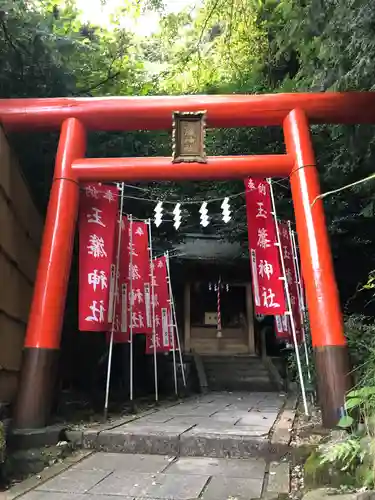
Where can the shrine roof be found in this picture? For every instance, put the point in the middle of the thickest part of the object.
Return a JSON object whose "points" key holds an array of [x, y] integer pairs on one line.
{"points": [[209, 247]]}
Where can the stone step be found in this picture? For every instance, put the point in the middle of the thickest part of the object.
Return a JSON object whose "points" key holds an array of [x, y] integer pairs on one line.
{"points": [[233, 364], [219, 425], [242, 366], [245, 379], [237, 376], [235, 373], [245, 387], [249, 377], [235, 361], [245, 373], [227, 368], [240, 377], [182, 440]]}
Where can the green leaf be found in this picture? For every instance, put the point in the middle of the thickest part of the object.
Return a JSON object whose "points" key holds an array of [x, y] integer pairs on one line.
{"points": [[353, 403], [345, 422], [363, 393]]}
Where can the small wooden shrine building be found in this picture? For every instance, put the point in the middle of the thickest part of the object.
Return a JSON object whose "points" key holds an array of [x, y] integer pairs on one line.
{"points": [[204, 262]]}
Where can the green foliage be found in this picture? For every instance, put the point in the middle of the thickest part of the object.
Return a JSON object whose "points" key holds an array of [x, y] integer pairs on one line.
{"points": [[355, 449], [360, 333], [345, 452], [220, 44], [341, 470], [48, 42], [317, 474]]}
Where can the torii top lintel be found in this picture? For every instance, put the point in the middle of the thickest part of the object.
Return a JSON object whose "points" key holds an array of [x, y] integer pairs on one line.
{"points": [[155, 113]]}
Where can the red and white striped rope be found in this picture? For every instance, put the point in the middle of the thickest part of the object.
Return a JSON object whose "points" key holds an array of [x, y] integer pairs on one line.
{"points": [[218, 309]]}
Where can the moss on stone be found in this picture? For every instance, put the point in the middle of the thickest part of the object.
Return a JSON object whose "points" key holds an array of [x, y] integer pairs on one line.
{"points": [[364, 475]]}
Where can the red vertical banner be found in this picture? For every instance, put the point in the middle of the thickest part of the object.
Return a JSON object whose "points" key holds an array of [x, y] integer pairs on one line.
{"points": [[268, 288], [139, 286], [173, 330], [291, 276], [300, 282], [282, 328], [162, 308], [97, 221], [120, 297]]}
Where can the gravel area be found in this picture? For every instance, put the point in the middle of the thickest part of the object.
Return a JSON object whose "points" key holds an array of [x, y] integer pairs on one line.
{"points": [[307, 433]]}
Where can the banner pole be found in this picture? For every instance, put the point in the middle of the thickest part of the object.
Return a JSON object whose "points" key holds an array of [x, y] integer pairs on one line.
{"points": [[153, 311], [131, 358], [289, 303], [175, 325], [300, 283], [113, 305], [300, 298], [172, 326]]}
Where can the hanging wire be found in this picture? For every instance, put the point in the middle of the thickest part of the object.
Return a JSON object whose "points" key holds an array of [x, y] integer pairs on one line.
{"points": [[188, 201], [144, 220], [183, 202], [279, 183]]}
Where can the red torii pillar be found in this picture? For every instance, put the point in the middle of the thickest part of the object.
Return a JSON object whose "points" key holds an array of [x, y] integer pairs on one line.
{"points": [[42, 342], [44, 328], [326, 322]]}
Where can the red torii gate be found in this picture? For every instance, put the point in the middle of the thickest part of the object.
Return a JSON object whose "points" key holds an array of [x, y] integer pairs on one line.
{"points": [[294, 112]]}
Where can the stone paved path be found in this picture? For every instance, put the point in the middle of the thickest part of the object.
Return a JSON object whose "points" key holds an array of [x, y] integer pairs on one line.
{"points": [[111, 476], [209, 447], [220, 412], [227, 425]]}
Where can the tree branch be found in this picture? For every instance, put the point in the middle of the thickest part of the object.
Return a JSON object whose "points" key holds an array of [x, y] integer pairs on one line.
{"points": [[99, 84], [12, 45]]}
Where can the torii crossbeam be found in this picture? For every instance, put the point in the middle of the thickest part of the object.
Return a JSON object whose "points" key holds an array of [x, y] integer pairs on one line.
{"points": [[74, 117]]}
